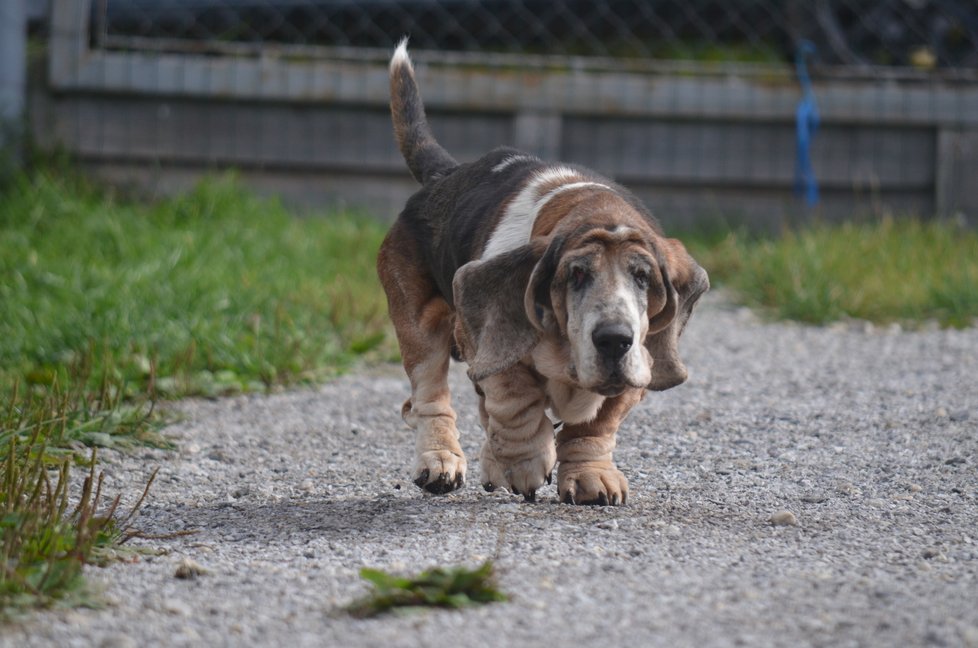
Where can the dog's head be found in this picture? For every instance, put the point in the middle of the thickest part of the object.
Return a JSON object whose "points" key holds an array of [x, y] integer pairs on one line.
{"points": [[613, 293]]}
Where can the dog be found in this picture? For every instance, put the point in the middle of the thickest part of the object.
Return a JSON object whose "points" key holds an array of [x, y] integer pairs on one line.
{"points": [[554, 284]]}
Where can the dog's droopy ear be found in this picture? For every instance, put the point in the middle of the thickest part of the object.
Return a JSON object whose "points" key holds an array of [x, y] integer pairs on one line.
{"points": [[492, 329], [684, 281], [538, 300]]}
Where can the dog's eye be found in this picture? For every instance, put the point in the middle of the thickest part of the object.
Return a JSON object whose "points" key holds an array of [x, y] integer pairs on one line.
{"points": [[641, 278], [580, 278]]}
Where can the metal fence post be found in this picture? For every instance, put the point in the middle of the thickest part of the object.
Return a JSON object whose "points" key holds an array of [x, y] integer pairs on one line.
{"points": [[13, 71]]}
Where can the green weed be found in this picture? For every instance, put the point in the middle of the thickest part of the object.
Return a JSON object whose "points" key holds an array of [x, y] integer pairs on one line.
{"points": [[44, 541], [455, 587]]}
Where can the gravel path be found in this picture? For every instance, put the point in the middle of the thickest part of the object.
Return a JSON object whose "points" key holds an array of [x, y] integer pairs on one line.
{"points": [[866, 436]]}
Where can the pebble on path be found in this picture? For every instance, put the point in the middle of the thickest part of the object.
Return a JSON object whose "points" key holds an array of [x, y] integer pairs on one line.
{"points": [[189, 569], [783, 518]]}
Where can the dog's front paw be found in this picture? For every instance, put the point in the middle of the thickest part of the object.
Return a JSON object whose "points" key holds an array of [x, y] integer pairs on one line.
{"points": [[591, 482], [522, 477], [440, 471]]}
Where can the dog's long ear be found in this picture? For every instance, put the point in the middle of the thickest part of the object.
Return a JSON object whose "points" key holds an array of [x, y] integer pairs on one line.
{"points": [[538, 302], [684, 282], [492, 329]]}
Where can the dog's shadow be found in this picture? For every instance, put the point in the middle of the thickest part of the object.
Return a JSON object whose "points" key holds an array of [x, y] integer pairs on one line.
{"points": [[339, 519], [406, 518]]}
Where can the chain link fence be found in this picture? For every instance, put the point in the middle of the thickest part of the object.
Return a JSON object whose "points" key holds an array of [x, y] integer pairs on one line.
{"points": [[922, 34], [700, 106]]}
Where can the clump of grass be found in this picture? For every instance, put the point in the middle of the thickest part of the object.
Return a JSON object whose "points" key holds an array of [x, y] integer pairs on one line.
{"points": [[455, 587], [892, 270], [85, 411], [44, 541], [212, 292]]}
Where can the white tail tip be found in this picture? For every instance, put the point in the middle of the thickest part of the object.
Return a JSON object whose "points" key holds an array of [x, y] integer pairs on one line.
{"points": [[401, 55]]}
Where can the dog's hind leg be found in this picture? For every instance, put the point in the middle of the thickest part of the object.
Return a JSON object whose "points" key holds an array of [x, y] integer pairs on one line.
{"points": [[424, 322]]}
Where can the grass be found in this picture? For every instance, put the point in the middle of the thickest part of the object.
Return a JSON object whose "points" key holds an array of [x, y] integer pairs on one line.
{"points": [[213, 292], [892, 270], [110, 303], [44, 540], [456, 587]]}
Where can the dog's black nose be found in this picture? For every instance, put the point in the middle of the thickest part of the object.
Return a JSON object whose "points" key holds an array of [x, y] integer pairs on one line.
{"points": [[612, 340]]}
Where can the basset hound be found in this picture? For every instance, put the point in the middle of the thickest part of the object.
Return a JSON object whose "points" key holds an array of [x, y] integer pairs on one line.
{"points": [[554, 284]]}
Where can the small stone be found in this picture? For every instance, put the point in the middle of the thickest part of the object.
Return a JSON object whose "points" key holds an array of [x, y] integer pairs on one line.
{"points": [[783, 518], [814, 498], [118, 641], [221, 456], [307, 485], [940, 412], [934, 554], [175, 607], [958, 416], [240, 491], [970, 636], [914, 488], [610, 525], [672, 531], [189, 569]]}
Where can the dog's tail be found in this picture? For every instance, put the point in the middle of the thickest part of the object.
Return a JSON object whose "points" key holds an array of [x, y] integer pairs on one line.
{"points": [[424, 156]]}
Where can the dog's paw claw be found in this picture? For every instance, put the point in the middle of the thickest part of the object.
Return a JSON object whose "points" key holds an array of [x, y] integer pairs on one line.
{"points": [[488, 486], [530, 497], [600, 500], [422, 479], [591, 484], [550, 477], [444, 484], [440, 472]]}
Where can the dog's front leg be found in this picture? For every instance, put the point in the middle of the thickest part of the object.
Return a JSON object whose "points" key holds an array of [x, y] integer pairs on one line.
{"points": [[587, 473], [519, 452]]}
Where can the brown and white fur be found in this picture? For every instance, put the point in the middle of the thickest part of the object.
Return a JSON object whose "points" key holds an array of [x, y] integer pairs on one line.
{"points": [[554, 284]]}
